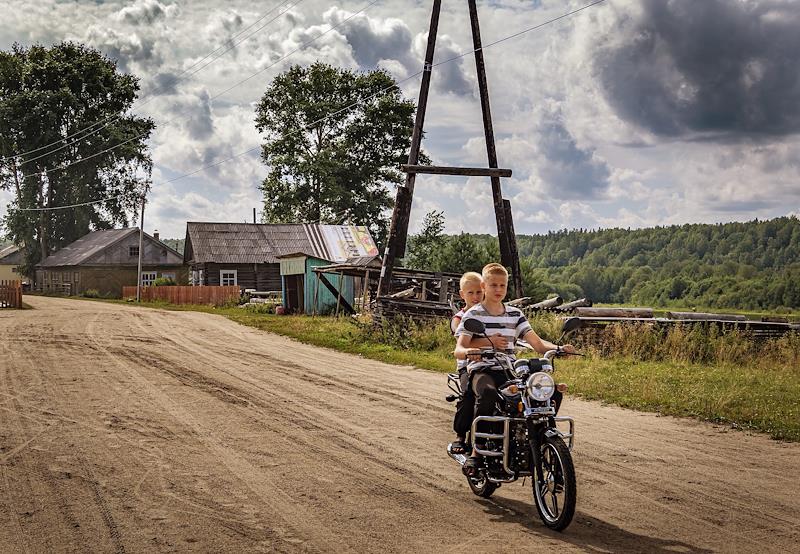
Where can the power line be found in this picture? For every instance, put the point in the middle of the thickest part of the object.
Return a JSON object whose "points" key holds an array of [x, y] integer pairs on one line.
{"points": [[354, 104], [151, 95], [140, 135]]}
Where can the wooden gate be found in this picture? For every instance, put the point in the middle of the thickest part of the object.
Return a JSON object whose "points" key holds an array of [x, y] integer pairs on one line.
{"points": [[10, 294]]}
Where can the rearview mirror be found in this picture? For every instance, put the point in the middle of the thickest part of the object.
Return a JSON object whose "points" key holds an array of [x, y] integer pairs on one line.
{"points": [[475, 326], [570, 325]]}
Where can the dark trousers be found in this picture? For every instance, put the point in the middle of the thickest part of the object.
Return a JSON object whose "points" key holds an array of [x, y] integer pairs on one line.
{"points": [[484, 387], [465, 409]]}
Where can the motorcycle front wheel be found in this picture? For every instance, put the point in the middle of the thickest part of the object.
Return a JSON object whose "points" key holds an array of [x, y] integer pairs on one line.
{"points": [[554, 491]]}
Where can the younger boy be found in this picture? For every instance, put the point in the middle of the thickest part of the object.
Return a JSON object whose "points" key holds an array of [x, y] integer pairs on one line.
{"points": [[502, 322]]}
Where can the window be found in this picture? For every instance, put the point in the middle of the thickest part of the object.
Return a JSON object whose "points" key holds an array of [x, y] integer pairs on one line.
{"points": [[133, 251], [148, 277], [76, 277], [14, 270], [227, 277]]}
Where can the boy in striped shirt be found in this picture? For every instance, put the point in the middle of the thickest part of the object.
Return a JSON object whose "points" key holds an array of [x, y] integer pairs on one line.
{"points": [[501, 321]]}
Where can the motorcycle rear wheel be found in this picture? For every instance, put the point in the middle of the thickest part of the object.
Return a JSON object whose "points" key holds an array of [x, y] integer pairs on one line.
{"points": [[481, 486], [554, 492]]}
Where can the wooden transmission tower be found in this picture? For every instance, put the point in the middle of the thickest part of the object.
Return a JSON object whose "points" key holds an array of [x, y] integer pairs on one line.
{"points": [[398, 231]]}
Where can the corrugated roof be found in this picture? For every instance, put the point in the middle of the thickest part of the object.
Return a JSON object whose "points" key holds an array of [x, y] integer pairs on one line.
{"points": [[11, 255], [86, 247], [248, 243]]}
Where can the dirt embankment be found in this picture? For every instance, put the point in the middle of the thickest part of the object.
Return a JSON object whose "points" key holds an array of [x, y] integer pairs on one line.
{"points": [[128, 430]]}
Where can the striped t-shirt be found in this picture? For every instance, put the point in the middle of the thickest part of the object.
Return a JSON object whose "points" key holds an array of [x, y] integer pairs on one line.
{"points": [[512, 324]]}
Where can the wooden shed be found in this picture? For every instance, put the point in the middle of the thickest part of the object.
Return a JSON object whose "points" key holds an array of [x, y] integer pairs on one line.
{"points": [[303, 292]]}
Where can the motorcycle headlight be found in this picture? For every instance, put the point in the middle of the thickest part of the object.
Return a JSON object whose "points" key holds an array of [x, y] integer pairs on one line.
{"points": [[540, 387]]}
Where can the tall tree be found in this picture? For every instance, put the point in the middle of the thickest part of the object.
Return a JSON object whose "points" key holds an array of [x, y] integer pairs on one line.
{"points": [[424, 247], [48, 96], [329, 162]]}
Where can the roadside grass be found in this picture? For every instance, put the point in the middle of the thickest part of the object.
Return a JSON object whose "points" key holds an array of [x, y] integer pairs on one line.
{"points": [[724, 378]]}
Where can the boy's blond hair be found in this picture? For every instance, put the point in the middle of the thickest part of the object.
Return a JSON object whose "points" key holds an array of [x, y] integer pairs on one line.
{"points": [[494, 269], [470, 277]]}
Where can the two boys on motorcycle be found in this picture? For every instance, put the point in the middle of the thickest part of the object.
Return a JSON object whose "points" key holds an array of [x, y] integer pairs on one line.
{"points": [[504, 325]]}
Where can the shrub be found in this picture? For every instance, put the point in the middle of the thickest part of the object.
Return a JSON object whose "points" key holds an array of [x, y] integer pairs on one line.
{"points": [[91, 293], [164, 282], [265, 308]]}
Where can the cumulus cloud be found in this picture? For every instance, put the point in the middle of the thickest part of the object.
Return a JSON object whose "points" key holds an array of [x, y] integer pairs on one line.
{"points": [[127, 49], [567, 170], [145, 12], [713, 67], [389, 43]]}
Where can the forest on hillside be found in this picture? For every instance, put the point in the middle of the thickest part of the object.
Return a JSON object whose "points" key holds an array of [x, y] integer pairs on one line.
{"points": [[753, 265]]}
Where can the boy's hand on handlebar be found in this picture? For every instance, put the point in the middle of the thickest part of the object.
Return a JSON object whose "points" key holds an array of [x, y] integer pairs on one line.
{"points": [[569, 349]]}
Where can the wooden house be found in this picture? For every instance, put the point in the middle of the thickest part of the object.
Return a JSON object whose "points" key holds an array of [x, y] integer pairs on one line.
{"points": [[11, 259], [106, 261], [251, 256]]}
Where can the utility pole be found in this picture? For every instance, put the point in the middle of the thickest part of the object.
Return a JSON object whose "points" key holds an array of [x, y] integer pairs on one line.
{"points": [[398, 231], [141, 242]]}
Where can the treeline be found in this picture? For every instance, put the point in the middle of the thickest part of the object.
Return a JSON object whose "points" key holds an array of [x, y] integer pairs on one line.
{"points": [[753, 265]]}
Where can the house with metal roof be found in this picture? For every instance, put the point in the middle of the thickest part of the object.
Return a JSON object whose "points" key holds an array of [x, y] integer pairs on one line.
{"points": [[107, 260], [250, 255]]}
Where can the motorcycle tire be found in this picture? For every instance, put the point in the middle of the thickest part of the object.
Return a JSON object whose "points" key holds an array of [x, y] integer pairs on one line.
{"points": [[481, 486], [554, 493]]}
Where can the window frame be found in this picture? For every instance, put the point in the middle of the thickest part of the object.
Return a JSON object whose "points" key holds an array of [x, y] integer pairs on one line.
{"points": [[152, 276], [222, 277]]}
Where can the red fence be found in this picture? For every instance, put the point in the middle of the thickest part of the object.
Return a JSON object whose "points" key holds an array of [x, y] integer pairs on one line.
{"points": [[186, 295], [10, 294]]}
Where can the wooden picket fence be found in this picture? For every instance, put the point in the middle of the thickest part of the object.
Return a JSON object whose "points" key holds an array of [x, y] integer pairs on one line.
{"points": [[216, 296], [10, 294]]}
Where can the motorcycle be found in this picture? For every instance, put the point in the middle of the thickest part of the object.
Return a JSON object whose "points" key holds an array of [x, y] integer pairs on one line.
{"points": [[524, 440]]}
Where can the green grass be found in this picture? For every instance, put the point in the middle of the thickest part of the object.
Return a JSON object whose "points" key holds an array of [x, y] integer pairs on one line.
{"points": [[740, 383], [758, 398]]}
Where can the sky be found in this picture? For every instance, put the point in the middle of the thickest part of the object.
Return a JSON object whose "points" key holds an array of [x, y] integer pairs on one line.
{"points": [[630, 113]]}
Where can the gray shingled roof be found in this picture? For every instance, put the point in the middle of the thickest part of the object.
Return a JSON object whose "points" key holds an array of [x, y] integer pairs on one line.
{"points": [[249, 243], [88, 245], [11, 255], [85, 247]]}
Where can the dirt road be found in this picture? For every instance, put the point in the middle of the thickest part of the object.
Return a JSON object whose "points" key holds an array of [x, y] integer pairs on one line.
{"points": [[130, 430]]}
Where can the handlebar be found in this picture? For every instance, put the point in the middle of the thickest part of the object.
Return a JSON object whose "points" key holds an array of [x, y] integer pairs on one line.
{"points": [[488, 353]]}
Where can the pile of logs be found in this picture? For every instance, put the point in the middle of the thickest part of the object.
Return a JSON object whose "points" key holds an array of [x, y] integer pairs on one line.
{"points": [[763, 327], [554, 304]]}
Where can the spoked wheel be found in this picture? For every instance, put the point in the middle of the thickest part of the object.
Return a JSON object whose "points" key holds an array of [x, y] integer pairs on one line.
{"points": [[481, 486], [554, 492]]}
